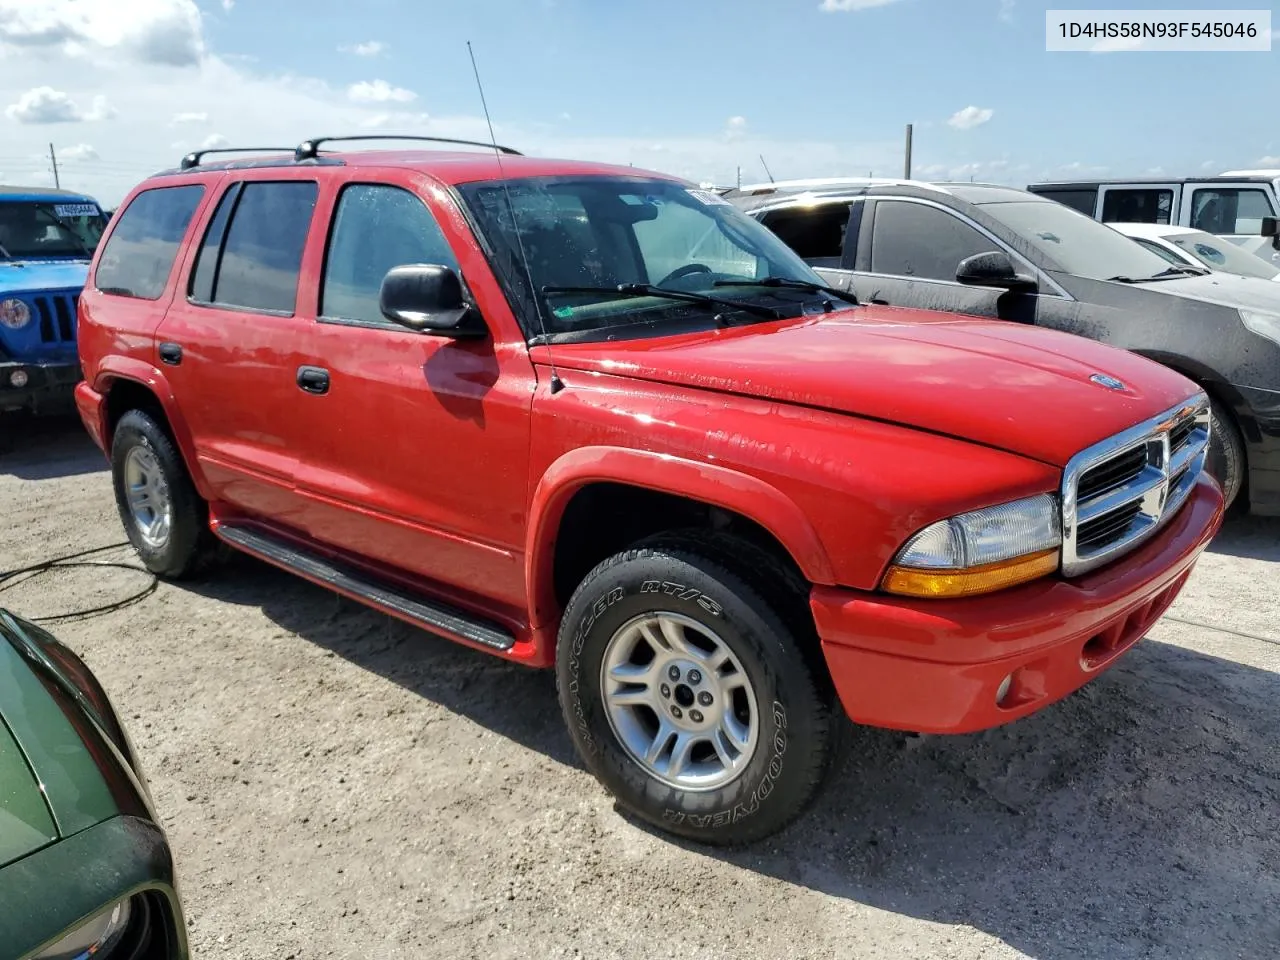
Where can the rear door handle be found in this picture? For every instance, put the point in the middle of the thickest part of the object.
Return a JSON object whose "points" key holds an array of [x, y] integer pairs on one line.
{"points": [[171, 353], [313, 379]]}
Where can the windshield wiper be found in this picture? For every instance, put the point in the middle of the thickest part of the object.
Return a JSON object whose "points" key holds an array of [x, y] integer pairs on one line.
{"points": [[788, 284], [649, 290], [5, 253], [1175, 271], [84, 247]]}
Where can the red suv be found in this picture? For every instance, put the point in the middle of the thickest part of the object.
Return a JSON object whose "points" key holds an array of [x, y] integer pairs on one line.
{"points": [[595, 418]]}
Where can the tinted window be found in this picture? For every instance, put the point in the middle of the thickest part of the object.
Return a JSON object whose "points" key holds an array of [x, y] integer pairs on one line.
{"points": [[262, 252], [1230, 211], [816, 233], [138, 258], [916, 240], [1137, 206], [1083, 200], [376, 228]]}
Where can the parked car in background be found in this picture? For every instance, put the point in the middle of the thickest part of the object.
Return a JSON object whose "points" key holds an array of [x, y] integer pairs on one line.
{"points": [[1185, 246], [1236, 205], [1008, 254], [47, 238], [85, 868], [592, 417]]}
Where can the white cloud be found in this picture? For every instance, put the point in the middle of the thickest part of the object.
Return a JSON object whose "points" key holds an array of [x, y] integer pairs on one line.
{"points": [[566, 117], [834, 6], [735, 128], [1211, 164], [1269, 161], [370, 48], [970, 117], [215, 141], [81, 151], [188, 117], [228, 4], [379, 91], [166, 32], [47, 105], [1006, 10]]}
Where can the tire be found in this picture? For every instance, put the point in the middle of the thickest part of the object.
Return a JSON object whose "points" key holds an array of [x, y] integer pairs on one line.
{"points": [[187, 545], [1226, 461], [713, 596]]}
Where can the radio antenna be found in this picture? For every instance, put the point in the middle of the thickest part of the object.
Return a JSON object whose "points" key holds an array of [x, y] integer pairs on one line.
{"points": [[766, 169], [556, 383]]}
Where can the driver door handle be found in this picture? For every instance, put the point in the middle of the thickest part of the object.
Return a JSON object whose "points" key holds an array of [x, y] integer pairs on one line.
{"points": [[314, 380]]}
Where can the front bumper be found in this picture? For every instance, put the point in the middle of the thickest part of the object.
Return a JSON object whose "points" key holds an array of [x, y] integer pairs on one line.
{"points": [[48, 387], [936, 666]]}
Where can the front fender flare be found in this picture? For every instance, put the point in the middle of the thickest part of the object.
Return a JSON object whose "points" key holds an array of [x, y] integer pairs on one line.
{"points": [[707, 483]]}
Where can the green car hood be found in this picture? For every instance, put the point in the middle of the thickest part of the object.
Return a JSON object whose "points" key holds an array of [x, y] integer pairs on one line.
{"points": [[26, 822], [55, 758]]}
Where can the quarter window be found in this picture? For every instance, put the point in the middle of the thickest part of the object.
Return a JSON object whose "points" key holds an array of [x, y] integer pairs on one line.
{"points": [[252, 262], [919, 241], [375, 229], [138, 258]]}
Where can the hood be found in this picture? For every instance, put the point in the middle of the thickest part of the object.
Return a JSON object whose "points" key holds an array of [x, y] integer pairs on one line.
{"points": [[1223, 289], [1023, 389], [29, 276], [26, 822], [54, 726]]}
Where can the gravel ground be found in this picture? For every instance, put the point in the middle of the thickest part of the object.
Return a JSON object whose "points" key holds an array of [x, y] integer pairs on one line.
{"points": [[336, 784]]}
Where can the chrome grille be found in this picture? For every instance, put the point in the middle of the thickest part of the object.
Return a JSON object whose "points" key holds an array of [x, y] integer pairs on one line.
{"points": [[1119, 492]]}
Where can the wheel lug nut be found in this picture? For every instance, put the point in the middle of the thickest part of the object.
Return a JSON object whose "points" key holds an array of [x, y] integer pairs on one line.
{"points": [[665, 690], [704, 698], [695, 676], [695, 716], [674, 672], [677, 712]]}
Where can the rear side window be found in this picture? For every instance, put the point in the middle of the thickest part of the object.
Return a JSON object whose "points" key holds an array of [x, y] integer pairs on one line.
{"points": [[376, 228], [252, 251], [1137, 206], [138, 258], [815, 233]]}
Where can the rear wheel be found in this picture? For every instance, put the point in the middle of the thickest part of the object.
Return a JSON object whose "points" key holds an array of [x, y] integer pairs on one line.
{"points": [[164, 517], [691, 697], [1226, 459]]}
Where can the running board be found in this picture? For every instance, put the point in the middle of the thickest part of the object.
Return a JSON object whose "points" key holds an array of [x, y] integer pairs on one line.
{"points": [[390, 598]]}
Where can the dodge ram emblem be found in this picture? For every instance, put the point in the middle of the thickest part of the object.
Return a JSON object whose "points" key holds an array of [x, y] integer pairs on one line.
{"points": [[1111, 383]]}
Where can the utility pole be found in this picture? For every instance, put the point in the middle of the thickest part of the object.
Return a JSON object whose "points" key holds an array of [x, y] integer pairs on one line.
{"points": [[907, 167], [54, 158], [739, 178]]}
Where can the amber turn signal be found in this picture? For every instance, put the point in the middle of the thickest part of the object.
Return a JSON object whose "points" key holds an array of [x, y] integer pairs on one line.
{"points": [[909, 582]]}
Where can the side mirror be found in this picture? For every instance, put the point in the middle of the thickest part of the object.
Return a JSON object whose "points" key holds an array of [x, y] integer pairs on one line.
{"points": [[993, 269], [1271, 228], [427, 297]]}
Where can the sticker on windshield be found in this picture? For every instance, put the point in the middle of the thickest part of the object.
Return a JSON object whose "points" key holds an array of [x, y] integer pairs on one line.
{"points": [[709, 199], [75, 210]]}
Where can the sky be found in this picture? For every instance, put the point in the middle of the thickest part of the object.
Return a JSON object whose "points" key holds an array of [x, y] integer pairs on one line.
{"points": [[696, 88]]}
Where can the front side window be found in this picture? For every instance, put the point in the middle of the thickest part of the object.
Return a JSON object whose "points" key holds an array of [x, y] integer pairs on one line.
{"points": [[375, 229], [252, 251], [138, 257], [1137, 206], [1230, 211], [922, 242], [600, 232]]}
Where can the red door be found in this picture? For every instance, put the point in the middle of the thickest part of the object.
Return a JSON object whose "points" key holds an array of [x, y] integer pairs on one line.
{"points": [[235, 343], [419, 456]]}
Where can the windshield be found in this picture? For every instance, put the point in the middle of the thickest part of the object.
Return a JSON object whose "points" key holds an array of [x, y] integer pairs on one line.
{"points": [[1219, 254], [52, 229], [607, 231], [1079, 244]]}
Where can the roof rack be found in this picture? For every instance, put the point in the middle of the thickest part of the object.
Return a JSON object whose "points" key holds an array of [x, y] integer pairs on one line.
{"points": [[193, 159], [310, 149]]}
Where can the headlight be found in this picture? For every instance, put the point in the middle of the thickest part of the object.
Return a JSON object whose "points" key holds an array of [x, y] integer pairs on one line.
{"points": [[14, 314], [93, 938], [1263, 324], [980, 552]]}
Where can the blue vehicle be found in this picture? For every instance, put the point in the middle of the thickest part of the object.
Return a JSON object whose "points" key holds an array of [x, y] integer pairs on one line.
{"points": [[47, 238]]}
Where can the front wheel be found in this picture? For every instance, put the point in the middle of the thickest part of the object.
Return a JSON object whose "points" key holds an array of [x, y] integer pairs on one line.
{"points": [[1226, 460], [691, 698]]}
